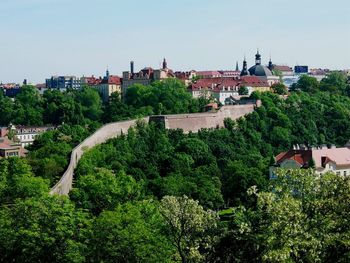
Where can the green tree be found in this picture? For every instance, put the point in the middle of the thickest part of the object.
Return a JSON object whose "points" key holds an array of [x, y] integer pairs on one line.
{"points": [[300, 219], [189, 227], [45, 229], [243, 90], [104, 190], [307, 84], [279, 88], [130, 233]]}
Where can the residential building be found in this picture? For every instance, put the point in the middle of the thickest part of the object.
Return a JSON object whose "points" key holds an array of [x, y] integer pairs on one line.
{"points": [[24, 135], [301, 69], [63, 82], [90, 81], [336, 160], [283, 70], [109, 84], [185, 76], [319, 73], [9, 148], [223, 88], [10, 89], [145, 76]]}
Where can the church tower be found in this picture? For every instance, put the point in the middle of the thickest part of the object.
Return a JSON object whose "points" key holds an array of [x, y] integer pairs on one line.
{"points": [[165, 64], [257, 58], [244, 71], [237, 68], [270, 64]]}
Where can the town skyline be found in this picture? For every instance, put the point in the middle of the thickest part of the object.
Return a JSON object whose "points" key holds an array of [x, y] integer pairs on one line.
{"points": [[57, 37]]}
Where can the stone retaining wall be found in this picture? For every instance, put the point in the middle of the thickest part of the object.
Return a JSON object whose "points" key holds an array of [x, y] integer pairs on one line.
{"points": [[188, 122]]}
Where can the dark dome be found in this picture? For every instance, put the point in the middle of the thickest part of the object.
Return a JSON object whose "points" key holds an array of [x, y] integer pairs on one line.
{"points": [[260, 71]]}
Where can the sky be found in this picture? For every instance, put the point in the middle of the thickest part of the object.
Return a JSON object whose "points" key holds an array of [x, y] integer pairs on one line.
{"points": [[41, 38]]}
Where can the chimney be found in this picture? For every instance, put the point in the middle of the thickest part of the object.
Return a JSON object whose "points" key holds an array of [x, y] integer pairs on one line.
{"points": [[132, 67]]}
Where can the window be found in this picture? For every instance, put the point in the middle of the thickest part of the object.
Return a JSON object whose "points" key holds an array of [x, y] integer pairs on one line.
{"points": [[344, 173], [338, 173]]}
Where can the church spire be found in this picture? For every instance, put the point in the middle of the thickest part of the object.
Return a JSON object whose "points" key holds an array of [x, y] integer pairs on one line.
{"points": [[257, 58], [237, 68], [244, 71], [270, 64], [165, 64]]}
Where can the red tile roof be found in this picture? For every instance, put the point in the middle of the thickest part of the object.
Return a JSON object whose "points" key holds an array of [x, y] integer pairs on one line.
{"points": [[115, 80], [300, 156], [214, 84], [253, 81]]}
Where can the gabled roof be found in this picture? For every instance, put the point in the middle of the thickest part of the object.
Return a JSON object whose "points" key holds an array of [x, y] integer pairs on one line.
{"points": [[302, 157]]}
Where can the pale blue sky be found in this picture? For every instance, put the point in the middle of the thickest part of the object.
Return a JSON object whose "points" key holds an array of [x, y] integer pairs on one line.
{"points": [[40, 38]]}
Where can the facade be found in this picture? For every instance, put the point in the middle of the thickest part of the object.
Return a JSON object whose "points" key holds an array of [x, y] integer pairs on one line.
{"points": [[25, 136], [301, 69], [145, 76], [185, 76], [9, 148], [10, 89], [222, 89], [281, 69], [90, 81], [336, 160], [109, 85], [63, 82]]}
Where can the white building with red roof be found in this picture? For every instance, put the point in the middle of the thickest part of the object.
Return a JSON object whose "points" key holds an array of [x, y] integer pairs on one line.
{"points": [[109, 85], [223, 88], [336, 160]]}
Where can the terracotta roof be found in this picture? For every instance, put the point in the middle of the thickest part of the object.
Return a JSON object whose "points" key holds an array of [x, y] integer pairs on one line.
{"points": [[214, 84], [112, 80], [92, 81], [253, 81], [282, 68], [6, 144], [339, 156], [300, 156]]}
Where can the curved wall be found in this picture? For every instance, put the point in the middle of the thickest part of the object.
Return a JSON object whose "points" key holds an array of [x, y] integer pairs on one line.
{"points": [[187, 122]]}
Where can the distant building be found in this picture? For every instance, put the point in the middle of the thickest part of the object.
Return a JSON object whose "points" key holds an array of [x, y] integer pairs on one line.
{"points": [[10, 89], [282, 69], [63, 82], [145, 76], [9, 148], [186, 76], [109, 84], [90, 81], [301, 69], [319, 73], [336, 160], [41, 88], [24, 135], [223, 88], [259, 70]]}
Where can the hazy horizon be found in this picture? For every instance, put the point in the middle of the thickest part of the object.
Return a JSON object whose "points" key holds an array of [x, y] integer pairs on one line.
{"points": [[41, 38]]}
